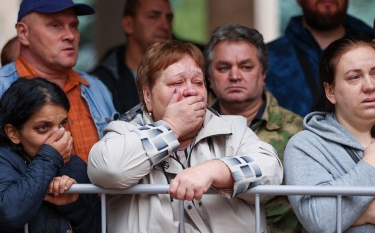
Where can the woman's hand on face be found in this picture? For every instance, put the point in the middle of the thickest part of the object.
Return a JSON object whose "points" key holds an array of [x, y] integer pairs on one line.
{"points": [[185, 115], [62, 141], [369, 154], [55, 191]]}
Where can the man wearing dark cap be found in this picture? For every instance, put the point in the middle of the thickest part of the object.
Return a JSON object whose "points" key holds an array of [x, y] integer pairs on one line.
{"points": [[49, 37]]}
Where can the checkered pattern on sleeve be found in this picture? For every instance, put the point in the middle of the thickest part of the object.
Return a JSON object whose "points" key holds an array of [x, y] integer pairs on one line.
{"points": [[245, 171], [158, 140]]}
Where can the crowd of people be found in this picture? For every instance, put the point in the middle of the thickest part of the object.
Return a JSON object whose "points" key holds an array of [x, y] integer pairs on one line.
{"points": [[299, 110]]}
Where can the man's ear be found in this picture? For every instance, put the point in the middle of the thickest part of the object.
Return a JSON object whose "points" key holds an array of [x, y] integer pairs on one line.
{"points": [[330, 93], [209, 81], [264, 74], [23, 33], [147, 97], [127, 24], [12, 133]]}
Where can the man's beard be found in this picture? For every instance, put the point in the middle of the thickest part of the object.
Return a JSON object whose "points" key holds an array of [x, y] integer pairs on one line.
{"points": [[324, 21]]}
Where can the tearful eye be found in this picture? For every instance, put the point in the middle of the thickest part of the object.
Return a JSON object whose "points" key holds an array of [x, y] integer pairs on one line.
{"points": [[354, 77], [63, 123], [42, 128]]}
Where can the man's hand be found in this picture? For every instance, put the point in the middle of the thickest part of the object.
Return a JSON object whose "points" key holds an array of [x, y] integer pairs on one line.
{"points": [[55, 191]]}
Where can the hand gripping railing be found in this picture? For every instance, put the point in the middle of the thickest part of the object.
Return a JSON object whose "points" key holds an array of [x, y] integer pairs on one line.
{"points": [[337, 191]]}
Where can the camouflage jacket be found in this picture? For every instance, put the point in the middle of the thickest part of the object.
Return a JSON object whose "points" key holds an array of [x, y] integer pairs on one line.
{"points": [[277, 126]]}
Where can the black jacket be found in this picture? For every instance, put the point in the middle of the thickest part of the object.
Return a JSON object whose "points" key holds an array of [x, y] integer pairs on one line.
{"points": [[23, 188], [119, 79]]}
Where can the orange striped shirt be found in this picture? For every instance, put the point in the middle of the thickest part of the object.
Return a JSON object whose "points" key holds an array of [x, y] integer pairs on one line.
{"points": [[80, 123]]}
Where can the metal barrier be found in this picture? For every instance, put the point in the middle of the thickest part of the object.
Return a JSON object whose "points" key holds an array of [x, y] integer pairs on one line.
{"points": [[337, 191]]}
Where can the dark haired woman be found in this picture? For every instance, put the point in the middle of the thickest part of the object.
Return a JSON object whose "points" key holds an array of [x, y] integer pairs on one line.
{"points": [[336, 147], [36, 165]]}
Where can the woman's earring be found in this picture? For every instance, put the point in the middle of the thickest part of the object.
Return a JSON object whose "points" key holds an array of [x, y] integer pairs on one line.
{"points": [[150, 114]]}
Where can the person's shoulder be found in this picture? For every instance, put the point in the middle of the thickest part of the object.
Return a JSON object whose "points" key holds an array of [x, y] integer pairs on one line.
{"points": [[356, 27], [352, 21], [7, 154], [108, 65], [76, 168], [116, 50], [275, 109], [93, 80], [9, 70], [277, 42], [236, 122], [223, 124], [88, 77], [279, 50], [76, 160], [291, 117]]}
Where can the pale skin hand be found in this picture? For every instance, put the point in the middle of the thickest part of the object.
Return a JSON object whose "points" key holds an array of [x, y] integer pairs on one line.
{"points": [[62, 141], [185, 115], [55, 192], [193, 182], [368, 216]]}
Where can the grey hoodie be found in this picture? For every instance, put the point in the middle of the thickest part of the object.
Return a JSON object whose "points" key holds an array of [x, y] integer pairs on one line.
{"points": [[318, 156]]}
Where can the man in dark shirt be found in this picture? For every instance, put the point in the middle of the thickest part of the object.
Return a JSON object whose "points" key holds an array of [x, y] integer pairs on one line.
{"points": [[144, 23], [294, 58]]}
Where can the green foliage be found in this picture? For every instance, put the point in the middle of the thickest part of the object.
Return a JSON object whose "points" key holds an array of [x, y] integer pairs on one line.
{"points": [[190, 20]]}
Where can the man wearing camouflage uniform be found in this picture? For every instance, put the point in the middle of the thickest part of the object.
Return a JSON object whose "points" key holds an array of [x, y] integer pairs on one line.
{"points": [[236, 63]]}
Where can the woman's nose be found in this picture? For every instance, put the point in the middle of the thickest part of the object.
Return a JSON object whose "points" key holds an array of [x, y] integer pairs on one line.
{"points": [[189, 91], [369, 84]]}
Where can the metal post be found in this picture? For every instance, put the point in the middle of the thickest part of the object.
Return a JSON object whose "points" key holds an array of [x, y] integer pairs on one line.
{"points": [[182, 210], [26, 228], [339, 214], [257, 214], [104, 210]]}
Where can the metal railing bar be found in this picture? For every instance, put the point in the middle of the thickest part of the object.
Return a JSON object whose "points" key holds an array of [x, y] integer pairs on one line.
{"points": [[104, 212], [339, 214], [334, 191], [313, 190], [182, 212], [260, 189], [257, 213]]}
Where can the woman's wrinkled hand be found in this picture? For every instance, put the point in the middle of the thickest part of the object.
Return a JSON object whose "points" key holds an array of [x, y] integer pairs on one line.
{"points": [[185, 115], [193, 182]]}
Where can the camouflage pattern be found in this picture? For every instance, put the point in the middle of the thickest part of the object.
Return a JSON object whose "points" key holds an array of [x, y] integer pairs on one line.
{"points": [[277, 126]]}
